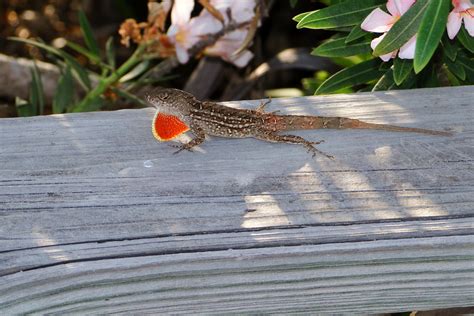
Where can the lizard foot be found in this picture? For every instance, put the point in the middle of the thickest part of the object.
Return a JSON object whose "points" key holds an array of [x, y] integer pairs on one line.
{"points": [[315, 152], [317, 143], [181, 148]]}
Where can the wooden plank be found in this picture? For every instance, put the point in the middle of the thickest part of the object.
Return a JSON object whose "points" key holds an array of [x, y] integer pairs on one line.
{"points": [[98, 217]]}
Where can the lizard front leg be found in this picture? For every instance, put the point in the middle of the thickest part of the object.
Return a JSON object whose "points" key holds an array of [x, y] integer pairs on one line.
{"points": [[293, 139], [199, 137]]}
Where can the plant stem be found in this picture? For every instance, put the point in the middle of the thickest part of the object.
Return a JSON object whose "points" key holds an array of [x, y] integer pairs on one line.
{"points": [[89, 103]]}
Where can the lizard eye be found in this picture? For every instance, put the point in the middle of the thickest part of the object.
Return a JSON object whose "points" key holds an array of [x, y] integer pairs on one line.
{"points": [[163, 96]]}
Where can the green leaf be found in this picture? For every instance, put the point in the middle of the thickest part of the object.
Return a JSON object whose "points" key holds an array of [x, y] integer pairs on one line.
{"points": [[24, 108], [450, 48], [300, 16], [409, 82], [355, 34], [64, 96], [466, 40], [403, 30], [89, 38], [456, 68], [84, 51], [430, 32], [36, 90], [468, 65], [339, 48], [110, 52], [80, 72], [385, 82], [355, 75], [428, 78], [348, 13], [401, 69], [136, 71]]}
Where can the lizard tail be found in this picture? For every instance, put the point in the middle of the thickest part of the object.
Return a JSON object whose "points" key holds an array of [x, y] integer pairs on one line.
{"points": [[295, 122]]}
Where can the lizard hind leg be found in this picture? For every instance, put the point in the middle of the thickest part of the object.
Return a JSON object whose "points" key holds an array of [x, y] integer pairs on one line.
{"points": [[294, 139], [263, 104]]}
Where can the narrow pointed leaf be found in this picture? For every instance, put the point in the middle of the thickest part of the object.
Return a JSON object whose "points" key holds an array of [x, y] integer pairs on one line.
{"points": [[430, 32], [385, 82], [428, 78], [88, 34], [401, 70], [450, 48], [36, 90], [300, 16], [456, 68], [136, 71], [64, 96], [339, 48], [24, 108], [110, 52], [84, 51], [466, 39], [468, 65], [403, 30], [361, 73], [348, 13], [80, 72], [355, 34]]}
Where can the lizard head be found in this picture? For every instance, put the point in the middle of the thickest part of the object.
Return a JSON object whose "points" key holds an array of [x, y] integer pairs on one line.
{"points": [[171, 101]]}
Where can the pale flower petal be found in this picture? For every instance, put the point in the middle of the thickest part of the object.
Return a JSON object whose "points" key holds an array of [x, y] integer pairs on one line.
{"points": [[182, 54], [243, 10], [461, 5], [398, 7], [374, 44], [469, 24], [377, 21], [204, 24], [227, 45], [393, 8], [407, 51], [376, 41], [172, 30], [242, 59], [181, 12], [454, 24], [222, 5]]}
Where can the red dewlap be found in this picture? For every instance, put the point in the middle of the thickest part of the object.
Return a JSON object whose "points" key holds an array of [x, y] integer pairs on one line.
{"points": [[166, 127]]}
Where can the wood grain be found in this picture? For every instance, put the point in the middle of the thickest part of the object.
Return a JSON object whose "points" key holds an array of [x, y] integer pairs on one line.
{"points": [[97, 217]]}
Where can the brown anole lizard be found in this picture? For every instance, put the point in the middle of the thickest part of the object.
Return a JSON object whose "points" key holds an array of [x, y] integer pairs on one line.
{"points": [[179, 111]]}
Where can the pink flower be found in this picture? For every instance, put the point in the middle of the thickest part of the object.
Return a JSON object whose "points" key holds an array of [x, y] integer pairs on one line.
{"points": [[240, 11], [463, 10], [227, 45], [378, 21], [185, 32]]}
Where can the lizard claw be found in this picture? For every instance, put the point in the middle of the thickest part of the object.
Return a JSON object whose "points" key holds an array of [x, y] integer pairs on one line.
{"points": [[180, 148]]}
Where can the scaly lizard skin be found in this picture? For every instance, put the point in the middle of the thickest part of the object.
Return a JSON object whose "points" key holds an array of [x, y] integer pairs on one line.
{"points": [[179, 111]]}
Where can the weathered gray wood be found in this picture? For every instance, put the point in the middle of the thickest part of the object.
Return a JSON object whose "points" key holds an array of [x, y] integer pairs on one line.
{"points": [[97, 217]]}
